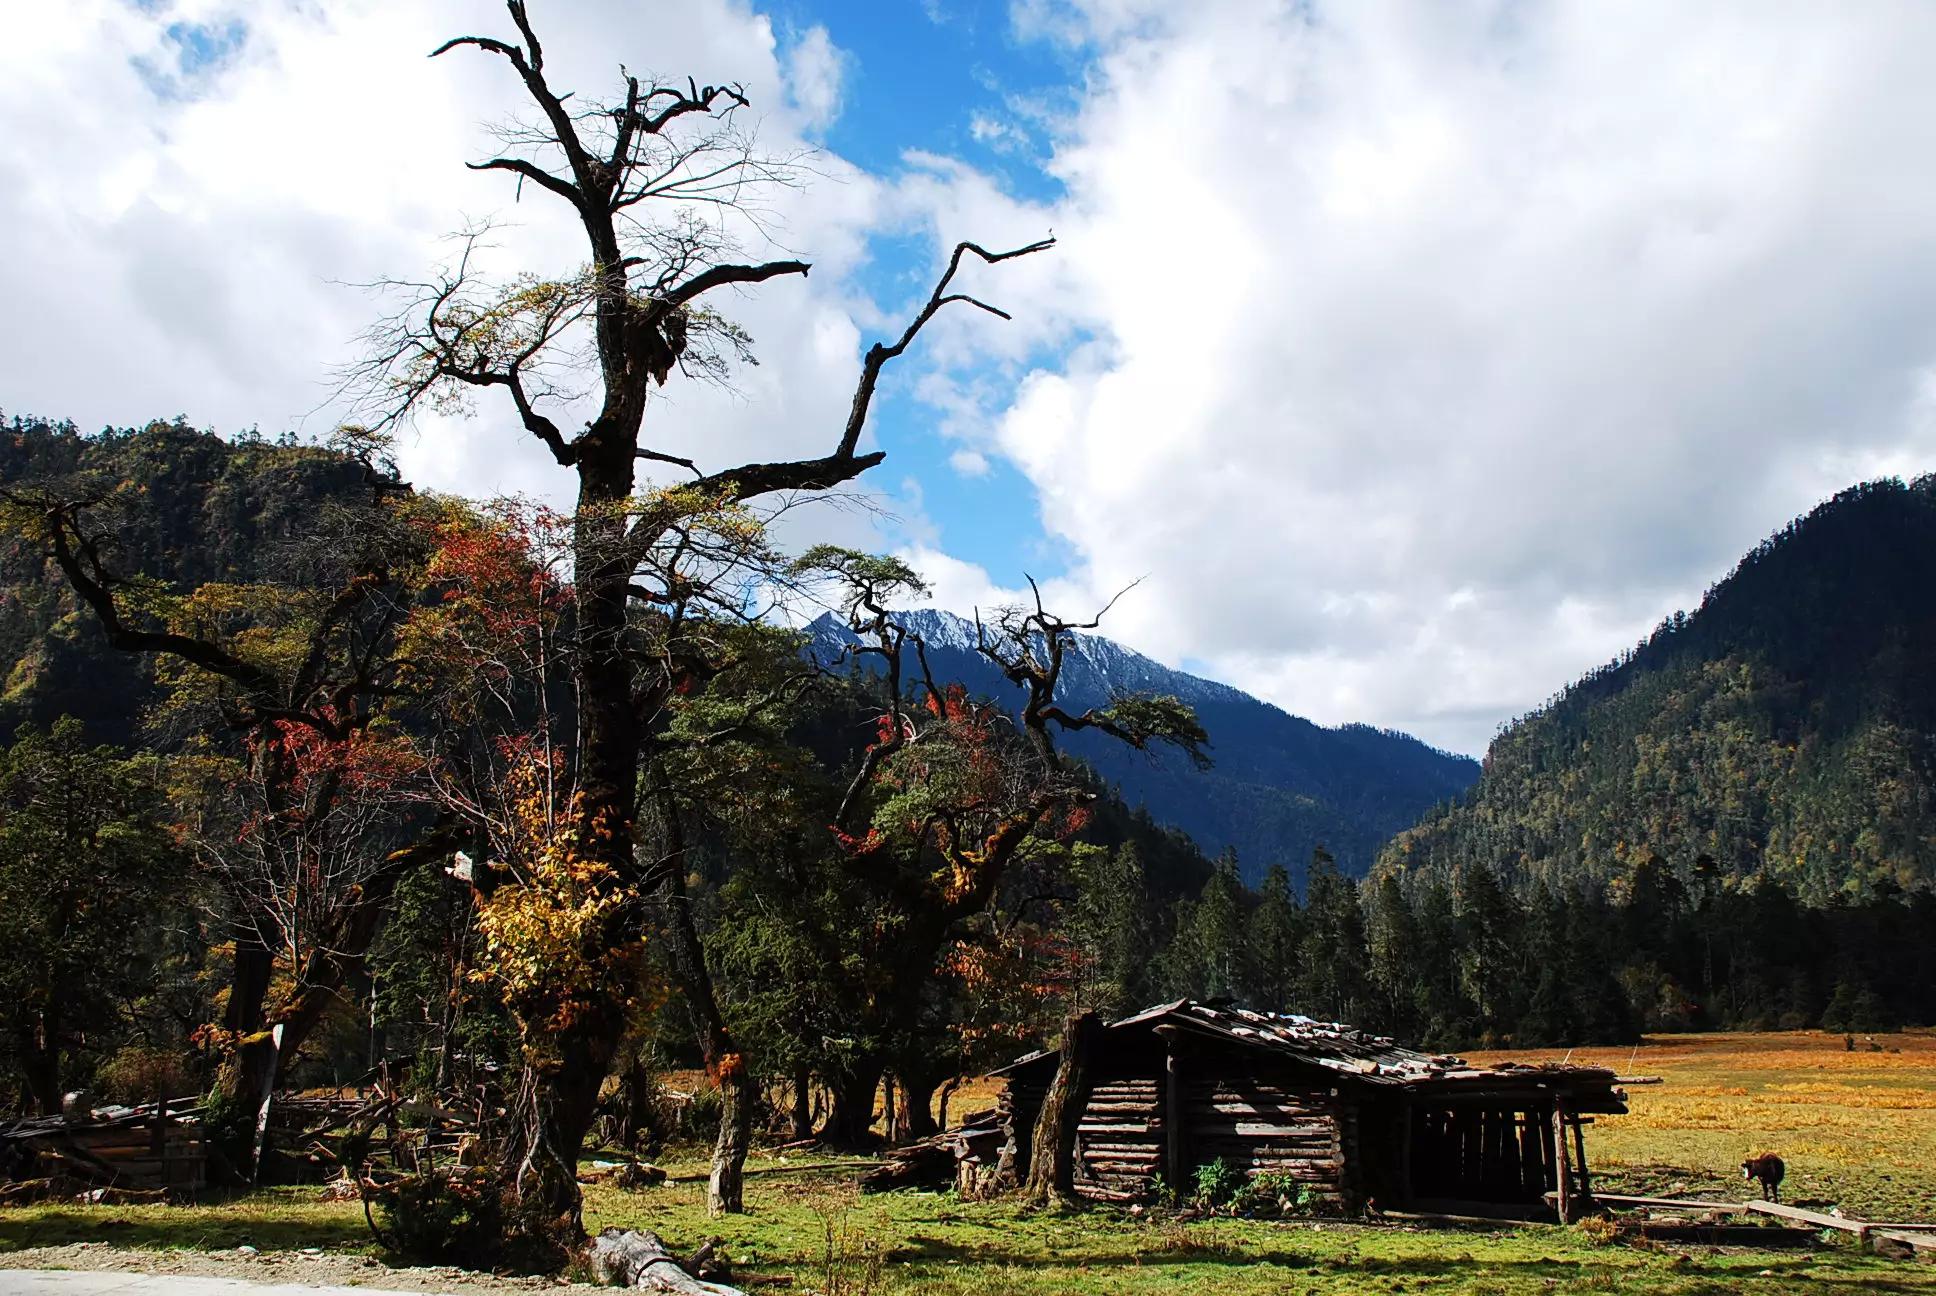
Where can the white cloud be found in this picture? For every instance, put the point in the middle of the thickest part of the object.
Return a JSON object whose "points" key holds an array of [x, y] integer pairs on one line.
{"points": [[1420, 356], [185, 243], [1440, 350], [816, 70], [997, 133]]}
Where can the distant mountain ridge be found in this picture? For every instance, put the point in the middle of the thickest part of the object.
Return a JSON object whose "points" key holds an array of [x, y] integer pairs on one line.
{"points": [[1280, 784], [1785, 728]]}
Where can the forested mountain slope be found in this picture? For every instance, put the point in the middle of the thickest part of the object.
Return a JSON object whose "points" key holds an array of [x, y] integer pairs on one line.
{"points": [[199, 508], [1786, 727], [202, 508], [1280, 785]]}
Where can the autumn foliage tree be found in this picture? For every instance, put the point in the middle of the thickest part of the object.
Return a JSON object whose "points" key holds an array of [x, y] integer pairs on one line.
{"points": [[954, 792], [291, 782], [653, 178]]}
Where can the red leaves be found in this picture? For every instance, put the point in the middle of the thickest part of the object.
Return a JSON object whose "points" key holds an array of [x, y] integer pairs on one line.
{"points": [[858, 846], [494, 568], [359, 762]]}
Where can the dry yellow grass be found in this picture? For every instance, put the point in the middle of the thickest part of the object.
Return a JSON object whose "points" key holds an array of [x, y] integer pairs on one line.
{"points": [[1856, 1128]]}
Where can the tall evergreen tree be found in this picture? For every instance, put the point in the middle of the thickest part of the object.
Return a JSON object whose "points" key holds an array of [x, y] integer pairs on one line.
{"points": [[1276, 930], [1207, 955], [1332, 975]]}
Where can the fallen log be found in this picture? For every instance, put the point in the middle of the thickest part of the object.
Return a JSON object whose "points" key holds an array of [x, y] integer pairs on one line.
{"points": [[809, 1167], [927, 1164], [638, 1258], [28, 1190]]}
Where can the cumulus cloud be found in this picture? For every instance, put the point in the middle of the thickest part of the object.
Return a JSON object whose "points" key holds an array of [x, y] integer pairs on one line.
{"points": [[816, 68], [1432, 353], [194, 188], [1418, 357]]}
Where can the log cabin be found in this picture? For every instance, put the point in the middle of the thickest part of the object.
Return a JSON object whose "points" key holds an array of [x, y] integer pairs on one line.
{"points": [[1360, 1122]]}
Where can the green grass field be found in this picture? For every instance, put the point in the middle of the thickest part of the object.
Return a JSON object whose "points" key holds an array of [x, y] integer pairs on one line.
{"points": [[1858, 1130]]}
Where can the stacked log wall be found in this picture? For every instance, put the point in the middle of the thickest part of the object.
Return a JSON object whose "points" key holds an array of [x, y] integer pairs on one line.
{"points": [[1120, 1138], [1019, 1105], [1272, 1122]]}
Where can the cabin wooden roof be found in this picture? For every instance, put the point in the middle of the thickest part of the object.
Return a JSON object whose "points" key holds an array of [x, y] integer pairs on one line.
{"points": [[1347, 1052]]}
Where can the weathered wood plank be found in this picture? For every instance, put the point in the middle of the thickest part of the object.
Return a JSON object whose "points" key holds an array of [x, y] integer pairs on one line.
{"points": [[1816, 1218], [1670, 1203], [1903, 1245]]}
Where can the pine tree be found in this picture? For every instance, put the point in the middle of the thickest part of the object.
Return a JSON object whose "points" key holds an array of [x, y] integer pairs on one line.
{"points": [[1332, 978], [1207, 955], [1276, 928]]}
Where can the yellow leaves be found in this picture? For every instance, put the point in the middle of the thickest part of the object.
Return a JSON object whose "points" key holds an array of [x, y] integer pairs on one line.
{"points": [[551, 936]]}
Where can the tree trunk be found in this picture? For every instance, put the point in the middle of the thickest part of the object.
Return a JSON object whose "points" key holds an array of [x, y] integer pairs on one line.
{"points": [[802, 1105], [851, 1119], [726, 1186], [555, 1104], [724, 1060], [1051, 1172], [917, 1107], [250, 971], [40, 1068], [635, 1105]]}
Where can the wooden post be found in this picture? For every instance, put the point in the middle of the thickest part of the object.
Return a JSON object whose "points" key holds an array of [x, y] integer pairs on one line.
{"points": [[1562, 1163], [1532, 1172], [262, 1111], [1407, 1121], [1172, 1111], [1586, 1176]]}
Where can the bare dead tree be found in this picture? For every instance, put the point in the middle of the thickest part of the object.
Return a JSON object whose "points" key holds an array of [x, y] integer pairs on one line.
{"points": [[658, 180]]}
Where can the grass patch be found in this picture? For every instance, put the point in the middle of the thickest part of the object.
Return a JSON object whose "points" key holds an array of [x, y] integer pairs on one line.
{"points": [[271, 1219], [1857, 1130]]}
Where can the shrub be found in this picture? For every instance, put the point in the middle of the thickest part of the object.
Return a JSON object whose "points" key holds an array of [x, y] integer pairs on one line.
{"points": [[137, 1074], [1218, 1183], [462, 1216], [1277, 1192]]}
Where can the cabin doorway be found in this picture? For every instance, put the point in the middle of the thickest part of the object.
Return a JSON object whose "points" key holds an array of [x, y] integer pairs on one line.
{"points": [[1493, 1156]]}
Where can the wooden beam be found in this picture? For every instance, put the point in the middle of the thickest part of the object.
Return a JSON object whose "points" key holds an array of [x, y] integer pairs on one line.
{"points": [[1579, 1145], [1173, 1116], [1671, 1203], [1903, 1246], [1858, 1227]]}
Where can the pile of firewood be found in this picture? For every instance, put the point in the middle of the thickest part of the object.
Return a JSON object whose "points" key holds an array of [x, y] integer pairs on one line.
{"points": [[142, 1153], [377, 1132]]}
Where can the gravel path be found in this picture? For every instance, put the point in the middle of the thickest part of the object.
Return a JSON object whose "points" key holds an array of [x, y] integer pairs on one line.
{"points": [[92, 1268]]}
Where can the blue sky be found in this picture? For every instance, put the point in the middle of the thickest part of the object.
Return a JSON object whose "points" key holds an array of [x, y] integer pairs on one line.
{"points": [[1414, 361], [918, 77]]}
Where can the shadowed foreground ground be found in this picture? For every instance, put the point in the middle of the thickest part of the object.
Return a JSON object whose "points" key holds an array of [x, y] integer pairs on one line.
{"points": [[1858, 1129]]}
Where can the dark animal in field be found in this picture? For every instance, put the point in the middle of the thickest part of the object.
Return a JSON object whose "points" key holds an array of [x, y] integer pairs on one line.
{"points": [[1768, 1169]]}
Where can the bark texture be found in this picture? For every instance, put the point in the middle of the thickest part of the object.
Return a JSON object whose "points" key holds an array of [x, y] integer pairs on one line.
{"points": [[1051, 1172]]}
